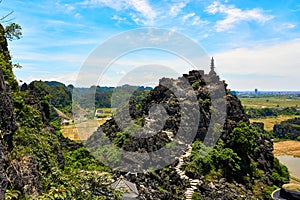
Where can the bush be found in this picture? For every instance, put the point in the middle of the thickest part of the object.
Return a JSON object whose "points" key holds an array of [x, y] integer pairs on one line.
{"points": [[281, 175], [82, 159]]}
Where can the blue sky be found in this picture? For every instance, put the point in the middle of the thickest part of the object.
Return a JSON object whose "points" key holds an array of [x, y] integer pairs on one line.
{"points": [[255, 43]]}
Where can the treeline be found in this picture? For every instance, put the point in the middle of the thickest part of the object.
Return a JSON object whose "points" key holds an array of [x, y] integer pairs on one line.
{"points": [[60, 95], [271, 112]]}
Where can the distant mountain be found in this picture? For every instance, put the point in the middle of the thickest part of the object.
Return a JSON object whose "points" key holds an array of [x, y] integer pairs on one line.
{"points": [[61, 95], [54, 83]]}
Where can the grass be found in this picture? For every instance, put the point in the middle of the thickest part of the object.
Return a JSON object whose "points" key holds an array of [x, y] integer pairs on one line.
{"points": [[270, 102], [271, 121], [289, 147]]}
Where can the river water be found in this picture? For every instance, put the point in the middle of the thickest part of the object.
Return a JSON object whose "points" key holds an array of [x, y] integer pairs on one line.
{"points": [[292, 163]]}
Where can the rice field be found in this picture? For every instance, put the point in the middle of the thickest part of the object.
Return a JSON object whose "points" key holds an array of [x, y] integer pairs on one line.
{"points": [[83, 130], [289, 147], [271, 121], [270, 102]]}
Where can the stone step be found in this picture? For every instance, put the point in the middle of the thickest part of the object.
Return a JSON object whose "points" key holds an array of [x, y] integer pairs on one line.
{"points": [[194, 183], [189, 191]]}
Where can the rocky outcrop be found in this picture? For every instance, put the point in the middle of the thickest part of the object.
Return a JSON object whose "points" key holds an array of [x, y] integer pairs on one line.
{"points": [[174, 175], [19, 173], [289, 129], [7, 121], [25, 176], [8, 126], [260, 125], [3, 176]]}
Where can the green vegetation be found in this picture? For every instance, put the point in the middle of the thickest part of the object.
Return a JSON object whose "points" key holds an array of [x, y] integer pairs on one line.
{"points": [[274, 110], [235, 161], [59, 95], [206, 161], [270, 102], [65, 169], [12, 31], [281, 175], [271, 112], [78, 177]]}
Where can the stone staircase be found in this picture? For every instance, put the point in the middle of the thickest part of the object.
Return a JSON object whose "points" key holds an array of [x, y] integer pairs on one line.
{"points": [[193, 182]]}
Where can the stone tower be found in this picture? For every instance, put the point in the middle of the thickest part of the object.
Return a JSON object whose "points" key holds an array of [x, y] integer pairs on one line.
{"points": [[212, 67]]}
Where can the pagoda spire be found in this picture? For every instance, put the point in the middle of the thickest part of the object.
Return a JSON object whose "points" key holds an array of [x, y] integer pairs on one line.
{"points": [[212, 64]]}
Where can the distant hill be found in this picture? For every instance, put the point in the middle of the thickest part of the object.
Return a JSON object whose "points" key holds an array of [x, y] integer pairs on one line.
{"points": [[54, 83], [61, 95]]}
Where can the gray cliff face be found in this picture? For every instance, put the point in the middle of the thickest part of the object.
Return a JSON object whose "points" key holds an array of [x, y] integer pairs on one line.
{"points": [[7, 127], [8, 124], [7, 120], [21, 173]]}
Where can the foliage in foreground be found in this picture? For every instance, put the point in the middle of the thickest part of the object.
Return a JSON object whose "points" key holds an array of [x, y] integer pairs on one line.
{"points": [[67, 172], [236, 161]]}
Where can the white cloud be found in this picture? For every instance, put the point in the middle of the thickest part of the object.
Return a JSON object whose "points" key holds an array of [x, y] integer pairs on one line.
{"points": [[69, 8], [193, 19], [271, 67], [188, 16], [135, 18], [197, 21], [282, 27], [141, 6], [121, 72], [176, 8], [289, 25], [235, 15], [118, 18], [116, 5], [67, 78], [71, 59]]}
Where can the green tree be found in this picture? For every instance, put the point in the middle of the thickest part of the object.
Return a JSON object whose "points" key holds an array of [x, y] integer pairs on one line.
{"points": [[243, 140], [13, 31]]}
